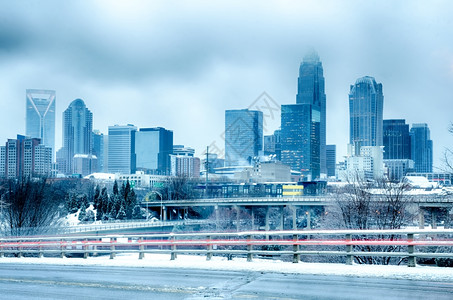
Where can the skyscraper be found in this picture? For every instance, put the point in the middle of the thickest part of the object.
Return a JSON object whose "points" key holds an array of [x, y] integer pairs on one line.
{"points": [[311, 90], [366, 102], [243, 136], [396, 139], [272, 145], [24, 157], [421, 148], [97, 149], [77, 134], [300, 142], [121, 149], [331, 159], [153, 147], [40, 116]]}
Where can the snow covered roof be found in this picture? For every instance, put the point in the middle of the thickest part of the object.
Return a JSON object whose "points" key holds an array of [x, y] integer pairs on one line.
{"points": [[102, 176], [420, 182]]}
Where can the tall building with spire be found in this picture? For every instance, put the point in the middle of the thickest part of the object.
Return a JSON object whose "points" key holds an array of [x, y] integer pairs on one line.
{"points": [[303, 125], [366, 102], [40, 116], [311, 90]]}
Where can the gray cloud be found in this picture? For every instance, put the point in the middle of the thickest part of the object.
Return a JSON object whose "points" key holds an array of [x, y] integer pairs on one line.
{"points": [[181, 64]]}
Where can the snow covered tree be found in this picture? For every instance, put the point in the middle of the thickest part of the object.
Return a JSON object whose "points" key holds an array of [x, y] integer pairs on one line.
{"points": [[138, 213], [83, 212], [121, 213], [72, 204], [89, 216], [97, 198]]}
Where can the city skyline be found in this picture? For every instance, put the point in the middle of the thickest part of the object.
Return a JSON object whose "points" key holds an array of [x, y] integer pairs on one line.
{"points": [[216, 70]]}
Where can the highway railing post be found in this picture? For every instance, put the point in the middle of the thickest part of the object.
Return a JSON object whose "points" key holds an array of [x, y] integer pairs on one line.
{"points": [[249, 248], [296, 255], [411, 259], [141, 247], [173, 248], [112, 248], [19, 249], [349, 256], [209, 248], [40, 254], [95, 247], [62, 248], [85, 248]]}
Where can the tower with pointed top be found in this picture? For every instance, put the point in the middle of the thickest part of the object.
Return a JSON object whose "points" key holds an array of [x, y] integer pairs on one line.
{"points": [[40, 116], [311, 90], [303, 125]]}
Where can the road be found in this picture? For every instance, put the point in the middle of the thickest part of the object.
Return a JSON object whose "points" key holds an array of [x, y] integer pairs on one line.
{"points": [[94, 282]]}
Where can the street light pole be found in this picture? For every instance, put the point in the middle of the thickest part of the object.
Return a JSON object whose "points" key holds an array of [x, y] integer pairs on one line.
{"points": [[160, 195], [207, 171]]}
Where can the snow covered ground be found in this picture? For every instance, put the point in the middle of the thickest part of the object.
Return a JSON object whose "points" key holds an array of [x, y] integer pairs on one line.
{"points": [[240, 264]]}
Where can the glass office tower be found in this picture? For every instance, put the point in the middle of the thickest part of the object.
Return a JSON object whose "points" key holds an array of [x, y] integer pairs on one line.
{"points": [[40, 116], [300, 139], [153, 147], [366, 102], [310, 90], [121, 149], [396, 139], [243, 136], [77, 132], [421, 148]]}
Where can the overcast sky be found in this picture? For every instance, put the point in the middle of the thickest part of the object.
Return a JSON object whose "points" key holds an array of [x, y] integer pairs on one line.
{"points": [[181, 64]]}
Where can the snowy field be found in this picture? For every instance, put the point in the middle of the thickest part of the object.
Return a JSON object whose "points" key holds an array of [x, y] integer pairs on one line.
{"points": [[240, 264]]}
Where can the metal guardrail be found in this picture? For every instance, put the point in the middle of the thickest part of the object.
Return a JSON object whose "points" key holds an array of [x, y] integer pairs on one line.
{"points": [[128, 224], [326, 199], [238, 244]]}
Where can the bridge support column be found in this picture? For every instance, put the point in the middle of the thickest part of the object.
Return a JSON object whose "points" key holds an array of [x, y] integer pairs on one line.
{"points": [[238, 217], [434, 218], [165, 213], [294, 209], [308, 214], [253, 217], [421, 218], [266, 224], [216, 210], [282, 220]]}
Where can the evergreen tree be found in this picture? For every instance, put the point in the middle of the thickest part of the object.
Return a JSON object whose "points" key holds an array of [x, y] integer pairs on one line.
{"points": [[131, 203], [121, 214], [97, 197], [115, 188], [72, 204], [83, 212], [104, 205], [89, 217], [138, 213]]}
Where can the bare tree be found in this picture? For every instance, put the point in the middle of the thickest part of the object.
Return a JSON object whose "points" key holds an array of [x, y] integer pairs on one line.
{"points": [[448, 154], [178, 188], [29, 204], [371, 205]]}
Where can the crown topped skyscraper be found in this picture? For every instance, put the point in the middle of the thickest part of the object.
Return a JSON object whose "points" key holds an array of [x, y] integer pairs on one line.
{"points": [[366, 102], [311, 90], [303, 125]]}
